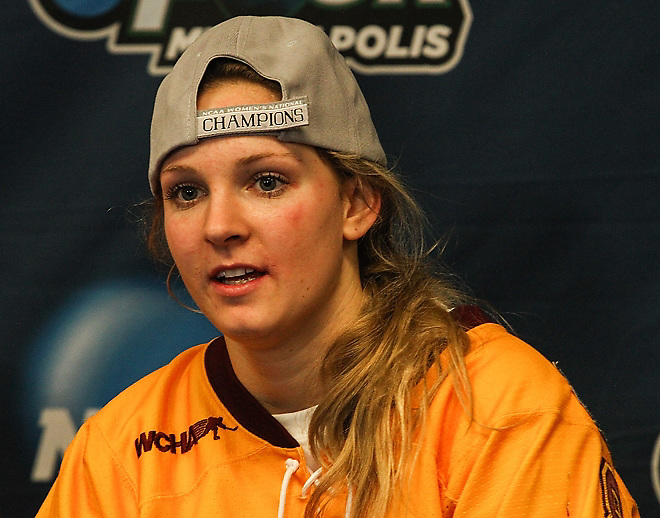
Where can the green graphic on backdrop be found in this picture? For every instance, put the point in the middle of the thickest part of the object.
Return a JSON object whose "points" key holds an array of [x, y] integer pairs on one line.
{"points": [[376, 36]]}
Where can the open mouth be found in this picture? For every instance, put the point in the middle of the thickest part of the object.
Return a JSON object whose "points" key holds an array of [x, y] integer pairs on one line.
{"points": [[238, 276]]}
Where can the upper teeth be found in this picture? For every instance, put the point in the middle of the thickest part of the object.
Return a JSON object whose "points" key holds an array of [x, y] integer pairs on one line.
{"points": [[236, 272]]}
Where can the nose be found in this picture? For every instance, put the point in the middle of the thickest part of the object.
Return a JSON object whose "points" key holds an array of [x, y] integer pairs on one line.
{"points": [[225, 221]]}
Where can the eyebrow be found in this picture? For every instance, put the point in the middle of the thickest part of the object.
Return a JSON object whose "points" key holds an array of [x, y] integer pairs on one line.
{"points": [[174, 168], [260, 156]]}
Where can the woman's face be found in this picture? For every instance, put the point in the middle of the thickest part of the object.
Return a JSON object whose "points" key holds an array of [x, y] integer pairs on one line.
{"points": [[258, 230]]}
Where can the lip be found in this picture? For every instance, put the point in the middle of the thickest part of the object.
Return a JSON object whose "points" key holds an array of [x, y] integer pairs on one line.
{"points": [[236, 290]]}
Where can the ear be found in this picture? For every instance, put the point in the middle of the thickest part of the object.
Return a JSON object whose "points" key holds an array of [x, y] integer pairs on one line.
{"points": [[361, 208]]}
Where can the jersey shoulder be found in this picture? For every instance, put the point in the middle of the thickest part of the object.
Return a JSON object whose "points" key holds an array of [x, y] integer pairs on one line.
{"points": [[157, 396], [511, 379]]}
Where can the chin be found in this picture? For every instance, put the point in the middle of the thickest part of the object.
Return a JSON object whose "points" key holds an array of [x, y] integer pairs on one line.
{"points": [[244, 332]]}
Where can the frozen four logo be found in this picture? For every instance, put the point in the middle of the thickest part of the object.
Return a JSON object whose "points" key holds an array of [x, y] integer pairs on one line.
{"points": [[379, 36]]}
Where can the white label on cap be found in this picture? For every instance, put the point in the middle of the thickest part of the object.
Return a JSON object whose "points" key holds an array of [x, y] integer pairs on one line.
{"points": [[253, 118]]}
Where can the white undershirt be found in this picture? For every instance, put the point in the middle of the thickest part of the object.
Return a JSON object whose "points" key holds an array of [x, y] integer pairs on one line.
{"points": [[297, 424]]}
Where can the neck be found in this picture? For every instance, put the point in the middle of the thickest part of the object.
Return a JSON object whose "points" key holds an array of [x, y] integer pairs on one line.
{"points": [[284, 373], [283, 380]]}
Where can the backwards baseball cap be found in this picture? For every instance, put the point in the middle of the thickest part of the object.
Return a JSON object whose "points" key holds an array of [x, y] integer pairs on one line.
{"points": [[321, 104]]}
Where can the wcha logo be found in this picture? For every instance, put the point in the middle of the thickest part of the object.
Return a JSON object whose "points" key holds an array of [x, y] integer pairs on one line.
{"points": [[167, 442], [375, 36]]}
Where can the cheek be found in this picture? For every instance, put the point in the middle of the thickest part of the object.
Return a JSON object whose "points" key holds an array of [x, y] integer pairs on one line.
{"points": [[180, 238], [311, 217], [321, 208], [312, 227], [295, 216]]}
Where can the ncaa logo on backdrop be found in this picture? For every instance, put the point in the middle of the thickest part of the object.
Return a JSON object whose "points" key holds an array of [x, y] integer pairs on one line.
{"points": [[375, 36]]}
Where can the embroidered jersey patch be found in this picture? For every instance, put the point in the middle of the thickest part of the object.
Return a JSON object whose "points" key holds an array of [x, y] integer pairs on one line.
{"points": [[165, 442], [253, 118], [610, 492]]}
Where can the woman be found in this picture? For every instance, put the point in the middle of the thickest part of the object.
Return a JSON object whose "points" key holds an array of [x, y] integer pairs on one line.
{"points": [[273, 202]]}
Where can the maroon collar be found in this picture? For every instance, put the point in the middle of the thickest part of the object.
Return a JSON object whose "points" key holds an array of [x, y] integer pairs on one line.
{"points": [[242, 405], [245, 408], [470, 316]]}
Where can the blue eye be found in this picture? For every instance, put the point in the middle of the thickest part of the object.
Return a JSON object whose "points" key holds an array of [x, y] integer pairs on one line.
{"points": [[188, 193], [184, 195], [271, 184], [267, 183]]}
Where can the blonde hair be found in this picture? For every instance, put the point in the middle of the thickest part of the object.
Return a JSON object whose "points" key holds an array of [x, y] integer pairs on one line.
{"points": [[365, 426], [363, 430]]}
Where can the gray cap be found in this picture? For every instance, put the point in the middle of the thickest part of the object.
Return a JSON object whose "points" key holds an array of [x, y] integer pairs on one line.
{"points": [[321, 105]]}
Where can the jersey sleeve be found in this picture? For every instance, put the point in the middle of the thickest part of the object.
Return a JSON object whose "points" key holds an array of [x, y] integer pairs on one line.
{"points": [[530, 449], [544, 466], [90, 483]]}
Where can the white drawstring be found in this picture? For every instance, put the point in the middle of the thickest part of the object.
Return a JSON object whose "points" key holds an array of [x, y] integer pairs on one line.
{"points": [[315, 476], [291, 467], [349, 503]]}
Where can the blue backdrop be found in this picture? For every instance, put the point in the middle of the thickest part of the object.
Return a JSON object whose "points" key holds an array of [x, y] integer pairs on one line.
{"points": [[530, 132]]}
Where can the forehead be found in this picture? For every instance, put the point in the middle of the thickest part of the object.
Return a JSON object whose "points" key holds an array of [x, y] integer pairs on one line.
{"points": [[234, 92], [237, 151], [221, 94]]}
